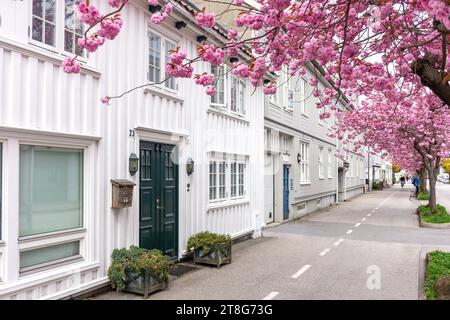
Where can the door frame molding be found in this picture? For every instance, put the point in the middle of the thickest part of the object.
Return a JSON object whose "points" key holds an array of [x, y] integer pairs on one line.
{"points": [[164, 137]]}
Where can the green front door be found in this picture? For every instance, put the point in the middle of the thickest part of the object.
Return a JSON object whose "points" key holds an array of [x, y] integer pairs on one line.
{"points": [[158, 203]]}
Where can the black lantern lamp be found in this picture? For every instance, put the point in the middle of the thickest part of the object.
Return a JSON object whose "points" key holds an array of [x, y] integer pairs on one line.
{"points": [[234, 59], [180, 24], [299, 157], [267, 81], [133, 163], [189, 166]]}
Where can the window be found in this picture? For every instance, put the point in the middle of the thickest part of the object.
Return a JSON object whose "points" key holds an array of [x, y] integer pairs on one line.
{"points": [[219, 97], [285, 145], [237, 99], [44, 21], [154, 60], [226, 180], [73, 28], [170, 83], [158, 56], [56, 24], [55, 253], [50, 189], [304, 162], [330, 159], [321, 166], [303, 96], [289, 90], [290, 98]]}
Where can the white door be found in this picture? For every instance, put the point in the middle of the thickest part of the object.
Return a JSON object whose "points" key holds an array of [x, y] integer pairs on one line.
{"points": [[269, 214]]}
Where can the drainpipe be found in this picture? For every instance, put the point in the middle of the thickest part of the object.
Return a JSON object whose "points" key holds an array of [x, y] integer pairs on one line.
{"points": [[337, 173]]}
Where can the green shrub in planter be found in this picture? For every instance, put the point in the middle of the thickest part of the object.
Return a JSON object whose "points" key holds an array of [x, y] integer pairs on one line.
{"points": [[440, 217], [423, 196], [139, 270], [210, 248]]}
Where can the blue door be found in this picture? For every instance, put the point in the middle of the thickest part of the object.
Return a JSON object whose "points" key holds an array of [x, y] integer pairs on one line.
{"points": [[285, 192]]}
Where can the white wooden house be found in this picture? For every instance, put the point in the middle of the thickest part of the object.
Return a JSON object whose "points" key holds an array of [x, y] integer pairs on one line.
{"points": [[60, 148]]}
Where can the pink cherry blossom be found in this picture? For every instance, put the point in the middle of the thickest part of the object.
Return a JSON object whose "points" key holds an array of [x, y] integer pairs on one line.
{"points": [[88, 14], [71, 66], [210, 90], [206, 20]]}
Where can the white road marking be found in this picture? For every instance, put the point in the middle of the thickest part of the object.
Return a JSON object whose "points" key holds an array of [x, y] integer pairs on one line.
{"points": [[338, 242], [357, 225], [363, 219], [349, 231], [301, 271], [271, 295], [325, 251], [369, 214]]}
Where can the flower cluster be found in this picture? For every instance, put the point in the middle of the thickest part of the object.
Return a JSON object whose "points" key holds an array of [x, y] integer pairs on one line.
{"points": [[159, 17], [117, 3], [110, 27], [89, 14], [71, 66], [211, 54], [91, 43], [206, 20], [204, 79], [176, 68]]}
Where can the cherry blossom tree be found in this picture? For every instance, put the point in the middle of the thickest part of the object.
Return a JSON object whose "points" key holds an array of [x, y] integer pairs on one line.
{"points": [[363, 45], [414, 133]]}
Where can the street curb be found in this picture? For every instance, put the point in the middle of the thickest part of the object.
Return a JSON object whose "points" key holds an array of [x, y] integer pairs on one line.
{"points": [[435, 225]]}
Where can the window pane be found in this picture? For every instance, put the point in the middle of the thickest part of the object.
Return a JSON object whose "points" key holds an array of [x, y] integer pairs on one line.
{"points": [[37, 7], [68, 41], [170, 83], [37, 29], [51, 187], [50, 9], [50, 34], [52, 253]]}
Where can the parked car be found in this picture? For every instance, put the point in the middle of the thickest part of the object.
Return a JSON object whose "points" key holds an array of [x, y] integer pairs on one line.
{"points": [[443, 177]]}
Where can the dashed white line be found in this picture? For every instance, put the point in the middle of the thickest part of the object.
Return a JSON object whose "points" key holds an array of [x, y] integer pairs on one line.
{"points": [[349, 231], [358, 224], [363, 219], [369, 214], [338, 242], [325, 251], [301, 271], [271, 295]]}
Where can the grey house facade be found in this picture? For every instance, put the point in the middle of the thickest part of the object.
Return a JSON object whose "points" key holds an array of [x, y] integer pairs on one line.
{"points": [[302, 172]]}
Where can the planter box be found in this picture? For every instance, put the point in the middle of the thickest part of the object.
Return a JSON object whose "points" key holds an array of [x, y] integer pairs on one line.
{"points": [[434, 225], [143, 283], [217, 255]]}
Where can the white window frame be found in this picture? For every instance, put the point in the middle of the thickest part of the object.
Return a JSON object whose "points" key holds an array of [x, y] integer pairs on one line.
{"points": [[321, 165], [163, 58], [59, 32], [305, 177], [84, 234], [241, 96], [330, 166], [303, 109], [224, 76], [229, 160]]}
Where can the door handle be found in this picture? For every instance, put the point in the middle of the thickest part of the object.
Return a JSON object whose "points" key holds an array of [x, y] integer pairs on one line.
{"points": [[157, 205]]}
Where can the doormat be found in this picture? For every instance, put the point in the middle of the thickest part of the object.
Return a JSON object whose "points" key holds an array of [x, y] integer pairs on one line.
{"points": [[180, 269]]}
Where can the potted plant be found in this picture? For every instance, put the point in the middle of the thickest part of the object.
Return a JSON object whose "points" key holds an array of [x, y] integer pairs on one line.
{"points": [[210, 248], [139, 270]]}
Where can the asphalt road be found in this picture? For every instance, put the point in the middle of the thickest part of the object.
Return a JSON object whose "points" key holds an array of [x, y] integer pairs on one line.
{"points": [[370, 247]]}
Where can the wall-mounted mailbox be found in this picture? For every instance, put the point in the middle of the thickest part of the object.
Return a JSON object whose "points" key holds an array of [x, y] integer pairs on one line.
{"points": [[122, 193]]}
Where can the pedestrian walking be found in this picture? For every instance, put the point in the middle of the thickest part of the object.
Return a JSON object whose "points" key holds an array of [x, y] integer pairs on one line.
{"points": [[402, 181], [416, 183]]}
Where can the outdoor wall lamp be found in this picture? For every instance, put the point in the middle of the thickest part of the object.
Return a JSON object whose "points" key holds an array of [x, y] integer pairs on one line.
{"points": [[180, 24], [133, 163], [153, 9], [189, 166], [201, 38], [234, 59], [299, 157]]}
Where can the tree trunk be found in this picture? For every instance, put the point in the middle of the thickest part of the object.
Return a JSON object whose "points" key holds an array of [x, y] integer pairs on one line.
{"points": [[423, 176], [430, 76], [432, 185]]}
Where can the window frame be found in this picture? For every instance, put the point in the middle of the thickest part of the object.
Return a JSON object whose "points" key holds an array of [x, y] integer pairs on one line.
{"points": [[59, 32], [330, 164], [240, 100], [229, 161], [321, 164], [42, 240], [305, 177], [224, 77], [163, 57]]}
